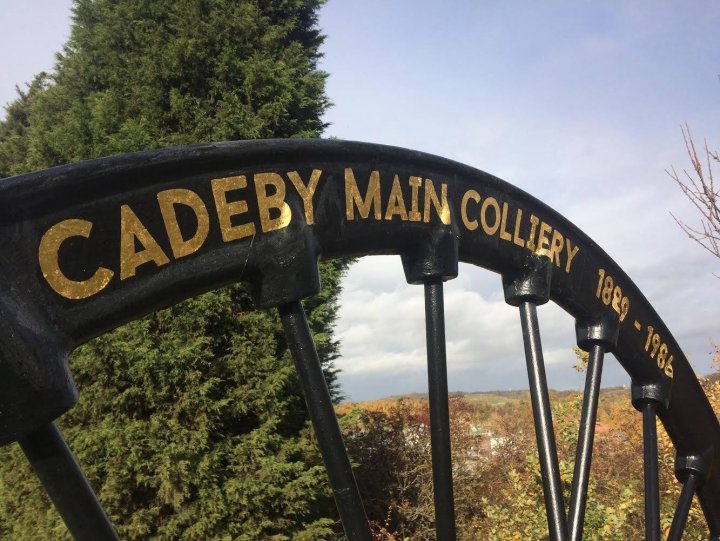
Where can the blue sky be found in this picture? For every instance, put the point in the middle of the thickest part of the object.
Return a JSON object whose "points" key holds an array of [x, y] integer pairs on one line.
{"points": [[578, 103]]}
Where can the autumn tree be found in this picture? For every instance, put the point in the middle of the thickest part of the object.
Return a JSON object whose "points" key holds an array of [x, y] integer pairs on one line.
{"points": [[498, 484]]}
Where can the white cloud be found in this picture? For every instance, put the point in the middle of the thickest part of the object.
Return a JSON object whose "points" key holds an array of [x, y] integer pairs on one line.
{"points": [[383, 333]]}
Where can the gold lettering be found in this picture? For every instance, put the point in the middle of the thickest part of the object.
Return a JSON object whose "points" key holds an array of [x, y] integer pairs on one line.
{"points": [[441, 208], [50, 266], [353, 197], [471, 225], [306, 193], [266, 202], [534, 221], [396, 204], [516, 236], [571, 253], [504, 235], [543, 240], [415, 183], [132, 229], [490, 202], [556, 246], [167, 200], [225, 210]]}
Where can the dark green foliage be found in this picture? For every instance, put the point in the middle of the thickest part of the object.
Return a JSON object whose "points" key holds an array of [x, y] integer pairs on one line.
{"points": [[14, 129], [140, 75], [190, 424]]}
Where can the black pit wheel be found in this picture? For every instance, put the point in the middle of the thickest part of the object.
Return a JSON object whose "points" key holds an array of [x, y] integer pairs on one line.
{"points": [[101, 243]]}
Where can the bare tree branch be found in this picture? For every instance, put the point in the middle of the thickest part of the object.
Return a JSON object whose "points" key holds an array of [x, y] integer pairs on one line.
{"points": [[698, 185]]}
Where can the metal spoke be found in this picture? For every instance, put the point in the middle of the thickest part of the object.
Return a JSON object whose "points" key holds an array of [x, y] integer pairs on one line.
{"points": [[683, 507], [652, 485], [322, 415], [439, 412], [544, 433], [583, 454], [66, 485]]}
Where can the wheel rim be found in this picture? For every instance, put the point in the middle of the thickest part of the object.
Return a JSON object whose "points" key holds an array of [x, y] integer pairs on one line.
{"points": [[264, 212]]}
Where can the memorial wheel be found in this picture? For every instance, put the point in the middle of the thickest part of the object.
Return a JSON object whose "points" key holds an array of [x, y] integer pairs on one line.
{"points": [[100, 243]]}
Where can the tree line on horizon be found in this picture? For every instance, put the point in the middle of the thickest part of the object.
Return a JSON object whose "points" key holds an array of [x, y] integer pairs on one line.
{"points": [[496, 472]]}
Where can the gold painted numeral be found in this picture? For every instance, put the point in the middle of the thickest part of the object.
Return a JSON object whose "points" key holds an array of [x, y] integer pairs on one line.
{"points": [[611, 295], [655, 346]]}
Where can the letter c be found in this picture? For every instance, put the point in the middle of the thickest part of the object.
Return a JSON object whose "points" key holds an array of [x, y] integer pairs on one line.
{"points": [[50, 266], [471, 225]]}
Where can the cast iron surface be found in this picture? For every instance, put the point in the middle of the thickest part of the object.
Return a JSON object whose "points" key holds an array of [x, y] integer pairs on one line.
{"points": [[44, 217]]}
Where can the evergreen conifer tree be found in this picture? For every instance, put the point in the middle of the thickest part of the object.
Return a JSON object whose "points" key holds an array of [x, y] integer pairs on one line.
{"points": [[190, 423]]}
